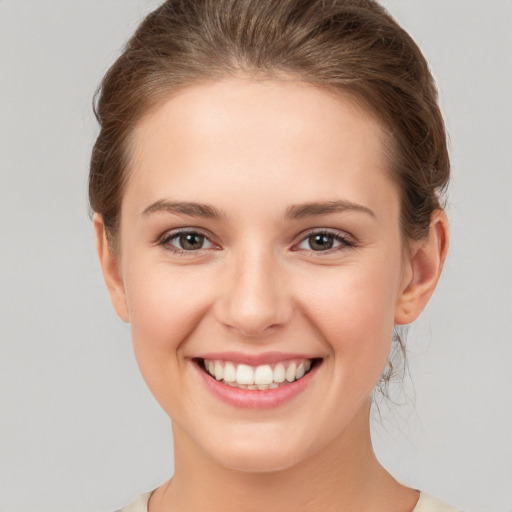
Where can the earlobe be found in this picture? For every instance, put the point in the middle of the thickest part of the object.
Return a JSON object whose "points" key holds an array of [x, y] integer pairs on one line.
{"points": [[111, 270], [425, 265]]}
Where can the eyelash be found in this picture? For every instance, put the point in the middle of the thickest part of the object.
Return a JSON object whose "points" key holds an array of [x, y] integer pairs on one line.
{"points": [[344, 241]]}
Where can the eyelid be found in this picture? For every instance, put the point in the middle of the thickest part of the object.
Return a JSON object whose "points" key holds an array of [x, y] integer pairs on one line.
{"points": [[346, 240]]}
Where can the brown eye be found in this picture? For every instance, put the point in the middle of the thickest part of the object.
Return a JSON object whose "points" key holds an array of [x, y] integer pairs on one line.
{"points": [[320, 242], [191, 241], [324, 241], [188, 241]]}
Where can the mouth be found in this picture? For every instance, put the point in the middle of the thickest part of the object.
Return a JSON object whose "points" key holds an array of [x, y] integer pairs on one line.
{"points": [[257, 378]]}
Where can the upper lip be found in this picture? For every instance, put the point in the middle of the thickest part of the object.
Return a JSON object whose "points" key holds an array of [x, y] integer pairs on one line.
{"points": [[254, 359]]}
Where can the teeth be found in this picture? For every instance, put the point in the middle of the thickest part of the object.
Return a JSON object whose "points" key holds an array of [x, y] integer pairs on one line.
{"points": [[279, 373], [290, 372], [261, 377], [244, 374], [229, 372], [219, 370]]}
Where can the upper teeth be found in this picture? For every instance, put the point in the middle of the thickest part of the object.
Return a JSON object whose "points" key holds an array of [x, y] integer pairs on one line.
{"points": [[261, 377]]}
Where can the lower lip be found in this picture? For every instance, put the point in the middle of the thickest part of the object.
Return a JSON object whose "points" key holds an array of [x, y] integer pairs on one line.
{"points": [[256, 399]]}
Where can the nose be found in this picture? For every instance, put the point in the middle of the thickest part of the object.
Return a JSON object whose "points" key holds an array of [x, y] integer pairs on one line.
{"points": [[254, 300]]}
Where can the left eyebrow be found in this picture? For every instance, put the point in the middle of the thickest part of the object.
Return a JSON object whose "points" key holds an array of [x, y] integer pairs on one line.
{"points": [[301, 211], [185, 208]]}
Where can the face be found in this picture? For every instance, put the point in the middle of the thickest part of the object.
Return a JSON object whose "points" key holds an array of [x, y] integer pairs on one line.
{"points": [[260, 247]]}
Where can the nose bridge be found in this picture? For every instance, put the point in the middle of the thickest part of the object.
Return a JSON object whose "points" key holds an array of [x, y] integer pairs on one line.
{"points": [[255, 298]]}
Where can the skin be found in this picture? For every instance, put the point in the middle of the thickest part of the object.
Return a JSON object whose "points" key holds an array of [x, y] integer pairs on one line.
{"points": [[251, 150]]}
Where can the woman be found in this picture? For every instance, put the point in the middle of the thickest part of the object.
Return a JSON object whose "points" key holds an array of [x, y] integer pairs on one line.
{"points": [[266, 187]]}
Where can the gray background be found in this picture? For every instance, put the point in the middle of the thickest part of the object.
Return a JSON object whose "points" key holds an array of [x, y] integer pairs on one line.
{"points": [[79, 430]]}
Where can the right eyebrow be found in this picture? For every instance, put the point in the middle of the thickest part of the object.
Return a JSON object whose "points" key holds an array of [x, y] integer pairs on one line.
{"points": [[185, 208], [301, 211]]}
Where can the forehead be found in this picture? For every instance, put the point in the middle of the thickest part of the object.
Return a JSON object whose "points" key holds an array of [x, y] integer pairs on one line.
{"points": [[241, 136]]}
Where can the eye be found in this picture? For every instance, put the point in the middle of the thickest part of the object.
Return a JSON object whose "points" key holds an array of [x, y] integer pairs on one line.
{"points": [[323, 241], [186, 241]]}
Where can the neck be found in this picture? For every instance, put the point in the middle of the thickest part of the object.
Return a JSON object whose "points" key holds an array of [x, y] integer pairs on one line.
{"points": [[344, 476]]}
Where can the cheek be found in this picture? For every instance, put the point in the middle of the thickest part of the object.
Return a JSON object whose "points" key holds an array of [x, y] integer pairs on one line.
{"points": [[165, 308], [353, 309], [164, 304]]}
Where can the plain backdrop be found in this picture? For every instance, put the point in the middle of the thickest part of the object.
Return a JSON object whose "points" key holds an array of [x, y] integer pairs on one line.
{"points": [[79, 430]]}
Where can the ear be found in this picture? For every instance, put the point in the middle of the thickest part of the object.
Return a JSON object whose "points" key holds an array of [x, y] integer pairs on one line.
{"points": [[424, 266], [110, 266]]}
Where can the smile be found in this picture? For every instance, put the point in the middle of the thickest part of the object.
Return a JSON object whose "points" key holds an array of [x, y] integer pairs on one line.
{"points": [[262, 381], [260, 378]]}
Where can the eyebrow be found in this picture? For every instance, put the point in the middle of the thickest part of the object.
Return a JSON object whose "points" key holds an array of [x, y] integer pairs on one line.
{"points": [[294, 212], [185, 208], [301, 211]]}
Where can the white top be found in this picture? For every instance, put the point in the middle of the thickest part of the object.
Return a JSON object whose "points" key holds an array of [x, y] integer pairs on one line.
{"points": [[426, 503]]}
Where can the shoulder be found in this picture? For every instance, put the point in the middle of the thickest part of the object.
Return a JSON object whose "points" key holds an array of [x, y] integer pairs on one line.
{"points": [[428, 503], [138, 505]]}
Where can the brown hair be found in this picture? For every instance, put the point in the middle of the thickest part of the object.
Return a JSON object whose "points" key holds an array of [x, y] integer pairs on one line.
{"points": [[349, 45], [353, 46]]}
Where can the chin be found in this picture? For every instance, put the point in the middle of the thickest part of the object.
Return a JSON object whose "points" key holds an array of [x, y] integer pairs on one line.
{"points": [[256, 460], [262, 453]]}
